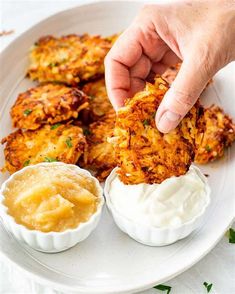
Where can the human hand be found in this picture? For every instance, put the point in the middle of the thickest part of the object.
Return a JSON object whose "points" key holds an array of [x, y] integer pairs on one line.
{"points": [[200, 33]]}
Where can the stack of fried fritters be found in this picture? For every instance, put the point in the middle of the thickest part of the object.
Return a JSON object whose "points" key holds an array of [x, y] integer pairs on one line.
{"points": [[100, 154], [145, 155], [68, 117], [53, 118]]}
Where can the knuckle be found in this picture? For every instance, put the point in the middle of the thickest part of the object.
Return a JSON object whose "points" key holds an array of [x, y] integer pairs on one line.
{"points": [[206, 60], [149, 10], [107, 59], [184, 99], [148, 7]]}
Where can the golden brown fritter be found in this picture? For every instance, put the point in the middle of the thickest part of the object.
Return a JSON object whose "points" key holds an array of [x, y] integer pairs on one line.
{"points": [[99, 103], [216, 131], [64, 143], [68, 59], [171, 72], [143, 154], [100, 153], [47, 104]]}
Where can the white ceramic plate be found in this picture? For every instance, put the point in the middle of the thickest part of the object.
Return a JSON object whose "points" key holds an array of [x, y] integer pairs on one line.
{"points": [[109, 261]]}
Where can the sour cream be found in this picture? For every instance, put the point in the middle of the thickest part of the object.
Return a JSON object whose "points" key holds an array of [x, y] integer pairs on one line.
{"points": [[174, 202]]}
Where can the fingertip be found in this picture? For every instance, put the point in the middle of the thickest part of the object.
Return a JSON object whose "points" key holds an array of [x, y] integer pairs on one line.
{"points": [[168, 121], [160, 111], [117, 98], [117, 105]]}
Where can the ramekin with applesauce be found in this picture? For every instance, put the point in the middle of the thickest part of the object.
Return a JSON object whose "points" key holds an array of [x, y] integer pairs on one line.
{"points": [[51, 206]]}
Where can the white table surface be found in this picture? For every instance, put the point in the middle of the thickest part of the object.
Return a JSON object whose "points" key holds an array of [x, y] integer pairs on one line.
{"points": [[218, 267]]}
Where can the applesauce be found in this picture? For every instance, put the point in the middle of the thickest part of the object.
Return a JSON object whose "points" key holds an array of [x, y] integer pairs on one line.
{"points": [[51, 198]]}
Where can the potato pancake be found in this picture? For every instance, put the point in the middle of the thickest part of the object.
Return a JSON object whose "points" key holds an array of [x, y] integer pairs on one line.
{"points": [[64, 143], [69, 59], [47, 104], [143, 154], [100, 152], [99, 103], [216, 131], [171, 72]]}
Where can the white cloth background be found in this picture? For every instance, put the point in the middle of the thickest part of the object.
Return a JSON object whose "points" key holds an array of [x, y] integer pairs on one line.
{"points": [[218, 267]]}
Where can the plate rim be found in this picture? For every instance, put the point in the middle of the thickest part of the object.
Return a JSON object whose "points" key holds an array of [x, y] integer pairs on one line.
{"points": [[132, 289]]}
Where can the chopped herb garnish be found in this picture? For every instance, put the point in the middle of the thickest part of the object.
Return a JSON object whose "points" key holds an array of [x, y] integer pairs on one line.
{"points": [[55, 126], [86, 132], [69, 142], [163, 288], [208, 286], [92, 97], [27, 112], [50, 159], [208, 148], [53, 64], [146, 122], [27, 162], [232, 236]]}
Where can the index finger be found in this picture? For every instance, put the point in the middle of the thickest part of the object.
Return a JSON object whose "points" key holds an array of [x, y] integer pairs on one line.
{"points": [[125, 52]]}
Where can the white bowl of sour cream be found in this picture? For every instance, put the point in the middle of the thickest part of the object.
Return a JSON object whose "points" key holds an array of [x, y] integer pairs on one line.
{"points": [[159, 214]]}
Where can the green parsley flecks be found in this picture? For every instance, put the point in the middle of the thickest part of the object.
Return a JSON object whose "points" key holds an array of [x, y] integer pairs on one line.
{"points": [[55, 126], [26, 163], [146, 122], [27, 112], [208, 286], [232, 236], [68, 142], [86, 132], [154, 114], [165, 288], [53, 64], [50, 159], [208, 148]]}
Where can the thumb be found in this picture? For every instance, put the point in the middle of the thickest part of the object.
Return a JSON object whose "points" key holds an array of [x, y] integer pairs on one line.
{"points": [[184, 92]]}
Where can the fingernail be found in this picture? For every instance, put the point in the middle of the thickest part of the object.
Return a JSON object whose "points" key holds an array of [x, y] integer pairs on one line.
{"points": [[168, 121], [117, 105]]}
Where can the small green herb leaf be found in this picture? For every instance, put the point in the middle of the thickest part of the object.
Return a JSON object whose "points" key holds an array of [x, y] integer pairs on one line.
{"points": [[86, 132], [154, 114], [146, 122], [50, 159], [27, 112], [208, 148], [55, 126], [92, 97], [163, 288], [208, 286], [53, 64], [69, 142], [232, 236], [26, 163]]}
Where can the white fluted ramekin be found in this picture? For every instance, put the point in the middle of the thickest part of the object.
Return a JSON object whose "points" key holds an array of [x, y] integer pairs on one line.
{"points": [[150, 235], [51, 242]]}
